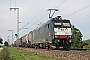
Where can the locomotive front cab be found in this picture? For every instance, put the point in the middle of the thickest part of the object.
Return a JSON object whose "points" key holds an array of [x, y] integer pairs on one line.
{"points": [[62, 33]]}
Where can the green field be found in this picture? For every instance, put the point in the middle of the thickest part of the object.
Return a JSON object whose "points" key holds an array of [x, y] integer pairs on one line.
{"points": [[17, 54]]}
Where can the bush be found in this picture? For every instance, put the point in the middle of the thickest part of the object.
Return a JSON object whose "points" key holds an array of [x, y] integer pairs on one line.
{"points": [[4, 54]]}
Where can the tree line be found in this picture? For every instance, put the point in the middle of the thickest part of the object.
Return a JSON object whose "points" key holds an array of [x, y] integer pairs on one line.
{"points": [[78, 42]]}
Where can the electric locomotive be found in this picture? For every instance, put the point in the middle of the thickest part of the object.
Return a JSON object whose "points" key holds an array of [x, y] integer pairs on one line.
{"points": [[56, 32], [63, 36]]}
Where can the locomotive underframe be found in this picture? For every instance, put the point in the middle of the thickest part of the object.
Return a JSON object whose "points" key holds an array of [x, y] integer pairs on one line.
{"points": [[56, 43], [65, 43]]}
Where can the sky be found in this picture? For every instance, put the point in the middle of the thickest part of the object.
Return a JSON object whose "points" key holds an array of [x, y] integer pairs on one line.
{"points": [[35, 13]]}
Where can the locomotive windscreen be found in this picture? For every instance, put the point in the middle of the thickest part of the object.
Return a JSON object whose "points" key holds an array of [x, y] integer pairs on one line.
{"points": [[62, 24]]}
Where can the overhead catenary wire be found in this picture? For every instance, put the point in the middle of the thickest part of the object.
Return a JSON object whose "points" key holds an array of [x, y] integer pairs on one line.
{"points": [[55, 7], [40, 11], [47, 14], [15, 3], [37, 21], [69, 4], [24, 26], [84, 13], [81, 19], [10, 13], [77, 11], [61, 3], [10, 3], [34, 3], [11, 20], [38, 14], [68, 16], [58, 5]]}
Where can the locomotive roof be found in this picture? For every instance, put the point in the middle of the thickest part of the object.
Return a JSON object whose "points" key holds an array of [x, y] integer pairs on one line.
{"points": [[61, 20], [64, 20]]}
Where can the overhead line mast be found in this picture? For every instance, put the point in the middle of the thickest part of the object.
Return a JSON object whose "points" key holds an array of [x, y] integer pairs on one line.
{"points": [[17, 20]]}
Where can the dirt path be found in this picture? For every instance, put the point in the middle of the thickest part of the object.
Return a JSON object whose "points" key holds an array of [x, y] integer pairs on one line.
{"points": [[1, 49]]}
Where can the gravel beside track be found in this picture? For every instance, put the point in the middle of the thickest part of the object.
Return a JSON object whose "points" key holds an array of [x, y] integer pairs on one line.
{"points": [[65, 55]]}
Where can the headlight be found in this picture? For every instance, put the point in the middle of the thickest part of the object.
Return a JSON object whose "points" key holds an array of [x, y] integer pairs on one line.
{"points": [[58, 40], [69, 36], [71, 41]]}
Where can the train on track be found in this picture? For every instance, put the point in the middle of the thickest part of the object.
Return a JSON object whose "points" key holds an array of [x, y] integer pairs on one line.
{"points": [[55, 33]]}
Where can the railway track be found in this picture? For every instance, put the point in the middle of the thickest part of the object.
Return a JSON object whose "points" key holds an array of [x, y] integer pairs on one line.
{"points": [[72, 54], [73, 49]]}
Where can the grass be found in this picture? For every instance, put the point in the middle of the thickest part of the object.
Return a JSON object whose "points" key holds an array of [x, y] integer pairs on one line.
{"points": [[4, 54], [17, 54], [64, 54]]}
